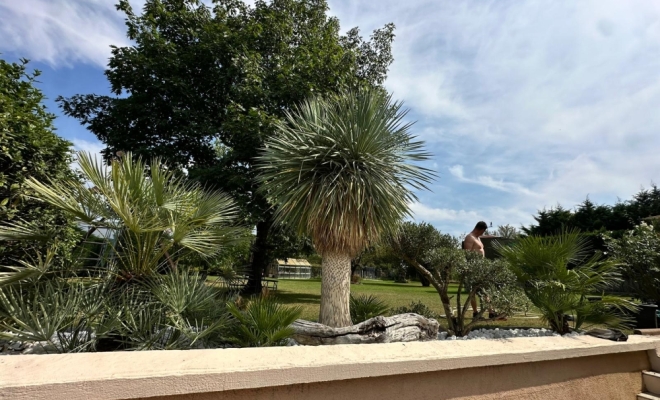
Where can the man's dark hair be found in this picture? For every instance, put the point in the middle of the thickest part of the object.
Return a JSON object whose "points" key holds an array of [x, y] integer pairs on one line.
{"points": [[481, 225]]}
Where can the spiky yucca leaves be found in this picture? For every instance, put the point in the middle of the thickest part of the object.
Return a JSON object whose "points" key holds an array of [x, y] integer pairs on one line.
{"points": [[262, 322], [172, 311], [156, 215], [60, 317], [557, 276], [364, 307], [339, 170]]}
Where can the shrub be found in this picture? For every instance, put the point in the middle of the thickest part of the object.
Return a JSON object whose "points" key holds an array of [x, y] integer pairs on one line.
{"points": [[364, 307], [557, 276], [174, 311], [639, 252], [29, 148], [437, 257], [124, 298], [262, 322], [356, 279], [416, 307]]}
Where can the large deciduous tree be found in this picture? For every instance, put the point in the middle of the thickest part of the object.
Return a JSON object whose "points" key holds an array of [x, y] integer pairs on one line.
{"points": [[203, 87], [339, 170], [29, 148]]}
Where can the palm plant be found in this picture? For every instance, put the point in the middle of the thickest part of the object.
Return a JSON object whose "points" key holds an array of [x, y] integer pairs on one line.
{"points": [[338, 171], [151, 218], [364, 307], [154, 215], [558, 275], [172, 311], [262, 323]]}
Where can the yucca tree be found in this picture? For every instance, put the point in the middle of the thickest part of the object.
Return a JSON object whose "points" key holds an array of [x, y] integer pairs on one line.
{"points": [[557, 274], [155, 215], [339, 170]]}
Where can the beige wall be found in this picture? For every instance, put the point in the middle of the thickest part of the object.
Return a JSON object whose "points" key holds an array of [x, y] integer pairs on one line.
{"points": [[523, 368], [614, 376]]}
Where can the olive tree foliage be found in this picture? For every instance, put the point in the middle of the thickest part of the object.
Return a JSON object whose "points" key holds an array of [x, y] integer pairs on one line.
{"points": [[437, 257], [203, 88], [638, 250]]}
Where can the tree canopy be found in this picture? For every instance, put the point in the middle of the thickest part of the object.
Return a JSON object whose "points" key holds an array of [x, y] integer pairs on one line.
{"points": [[589, 217], [29, 148], [203, 87]]}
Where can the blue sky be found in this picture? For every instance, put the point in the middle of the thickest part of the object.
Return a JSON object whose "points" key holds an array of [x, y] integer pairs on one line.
{"points": [[524, 104]]}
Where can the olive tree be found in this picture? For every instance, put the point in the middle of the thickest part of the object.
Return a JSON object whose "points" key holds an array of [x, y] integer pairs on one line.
{"points": [[438, 258]]}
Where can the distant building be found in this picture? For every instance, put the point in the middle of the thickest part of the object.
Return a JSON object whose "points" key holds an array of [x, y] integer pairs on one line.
{"points": [[292, 268]]}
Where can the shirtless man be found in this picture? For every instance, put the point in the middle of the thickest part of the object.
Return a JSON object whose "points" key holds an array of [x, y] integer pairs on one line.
{"points": [[472, 242]]}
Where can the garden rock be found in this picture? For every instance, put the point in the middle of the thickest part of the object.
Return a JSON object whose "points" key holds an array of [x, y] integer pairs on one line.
{"points": [[504, 334], [397, 328]]}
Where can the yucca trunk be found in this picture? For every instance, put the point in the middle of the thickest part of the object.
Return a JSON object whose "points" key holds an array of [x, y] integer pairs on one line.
{"points": [[335, 290]]}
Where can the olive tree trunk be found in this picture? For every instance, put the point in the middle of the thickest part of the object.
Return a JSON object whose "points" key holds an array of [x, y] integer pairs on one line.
{"points": [[335, 290]]}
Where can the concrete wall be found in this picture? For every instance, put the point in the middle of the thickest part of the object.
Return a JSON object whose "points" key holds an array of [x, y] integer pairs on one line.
{"points": [[524, 368], [616, 376]]}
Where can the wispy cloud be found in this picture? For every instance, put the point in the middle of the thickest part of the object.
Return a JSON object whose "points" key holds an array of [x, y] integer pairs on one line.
{"points": [[539, 102], [525, 104], [61, 32], [490, 182]]}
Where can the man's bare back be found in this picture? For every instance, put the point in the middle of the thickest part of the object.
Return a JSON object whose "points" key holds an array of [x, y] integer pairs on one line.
{"points": [[473, 243]]}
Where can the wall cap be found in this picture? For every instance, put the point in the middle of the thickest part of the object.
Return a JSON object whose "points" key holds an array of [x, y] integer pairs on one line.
{"points": [[129, 375]]}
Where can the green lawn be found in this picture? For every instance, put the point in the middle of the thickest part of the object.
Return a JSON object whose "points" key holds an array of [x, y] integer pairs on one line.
{"points": [[307, 294]]}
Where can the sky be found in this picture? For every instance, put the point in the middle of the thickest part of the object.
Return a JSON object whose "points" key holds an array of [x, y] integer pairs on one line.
{"points": [[523, 104]]}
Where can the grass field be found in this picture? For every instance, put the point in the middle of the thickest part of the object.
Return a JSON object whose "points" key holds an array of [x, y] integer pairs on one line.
{"points": [[307, 294]]}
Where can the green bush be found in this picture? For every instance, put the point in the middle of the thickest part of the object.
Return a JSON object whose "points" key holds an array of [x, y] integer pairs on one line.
{"points": [[136, 296], [438, 259], [261, 323], [416, 307], [557, 274], [639, 253], [29, 148], [173, 311], [364, 307]]}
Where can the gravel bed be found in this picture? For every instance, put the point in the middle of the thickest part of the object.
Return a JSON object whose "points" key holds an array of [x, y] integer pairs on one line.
{"points": [[498, 333], [10, 347]]}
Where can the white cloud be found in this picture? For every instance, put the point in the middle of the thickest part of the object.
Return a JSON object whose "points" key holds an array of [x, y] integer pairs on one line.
{"points": [[490, 182], [422, 212], [62, 32], [538, 102], [543, 101], [457, 222], [92, 147]]}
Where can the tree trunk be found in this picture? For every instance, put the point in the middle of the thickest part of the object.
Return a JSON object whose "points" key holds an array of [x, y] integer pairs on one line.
{"points": [[335, 290], [398, 328], [260, 259], [425, 282]]}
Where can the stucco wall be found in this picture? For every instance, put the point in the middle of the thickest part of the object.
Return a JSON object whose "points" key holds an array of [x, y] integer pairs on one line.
{"points": [[524, 368], [613, 376]]}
